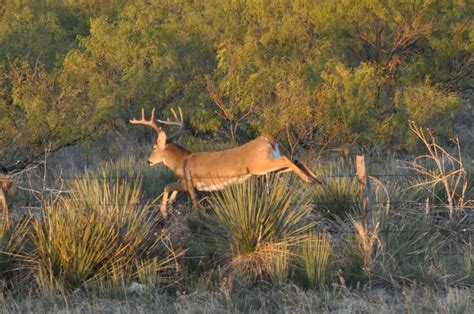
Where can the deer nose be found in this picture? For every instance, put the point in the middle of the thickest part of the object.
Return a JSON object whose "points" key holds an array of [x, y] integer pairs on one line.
{"points": [[149, 162]]}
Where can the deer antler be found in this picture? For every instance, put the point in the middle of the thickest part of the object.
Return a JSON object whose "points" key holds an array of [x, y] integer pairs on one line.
{"points": [[151, 123], [178, 121]]}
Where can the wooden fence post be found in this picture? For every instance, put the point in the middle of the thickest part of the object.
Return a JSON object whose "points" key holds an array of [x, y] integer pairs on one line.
{"points": [[5, 184], [361, 173]]}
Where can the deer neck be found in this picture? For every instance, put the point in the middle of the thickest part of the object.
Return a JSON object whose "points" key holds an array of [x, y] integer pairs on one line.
{"points": [[175, 156]]}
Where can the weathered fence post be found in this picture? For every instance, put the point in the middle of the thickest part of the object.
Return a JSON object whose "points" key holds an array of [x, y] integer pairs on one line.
{"points": [[5, 184], [361, 173]]}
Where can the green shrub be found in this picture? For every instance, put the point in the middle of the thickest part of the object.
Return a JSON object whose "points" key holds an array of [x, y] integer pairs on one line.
{"points": [[429, 106]]}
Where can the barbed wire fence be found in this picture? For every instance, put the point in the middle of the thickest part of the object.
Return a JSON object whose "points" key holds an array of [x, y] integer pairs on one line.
{"points": [[363, 202]]}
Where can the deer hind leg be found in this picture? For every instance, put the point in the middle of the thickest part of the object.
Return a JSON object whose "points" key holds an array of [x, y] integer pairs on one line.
{"points": [[283, 164], [308, 171], [174, 188]]}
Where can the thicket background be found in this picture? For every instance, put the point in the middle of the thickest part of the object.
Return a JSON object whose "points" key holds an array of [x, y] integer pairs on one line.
{"points": [[312, 73]]}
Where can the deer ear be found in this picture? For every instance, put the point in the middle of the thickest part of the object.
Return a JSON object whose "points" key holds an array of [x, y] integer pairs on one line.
{"points": [[161, 141]]}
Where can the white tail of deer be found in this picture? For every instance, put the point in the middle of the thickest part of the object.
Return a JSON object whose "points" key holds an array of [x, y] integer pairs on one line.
{"points": [[211, 171]]}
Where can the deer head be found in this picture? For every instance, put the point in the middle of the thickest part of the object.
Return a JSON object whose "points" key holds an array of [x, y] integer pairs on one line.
{"points": [[158, 154]]}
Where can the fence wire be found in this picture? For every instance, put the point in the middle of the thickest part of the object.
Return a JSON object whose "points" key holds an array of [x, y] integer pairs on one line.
{"points": [[72, 178]]}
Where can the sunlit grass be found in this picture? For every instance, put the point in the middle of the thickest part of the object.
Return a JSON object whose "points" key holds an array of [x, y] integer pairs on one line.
{"points": [[13, 246], [153, 179]]}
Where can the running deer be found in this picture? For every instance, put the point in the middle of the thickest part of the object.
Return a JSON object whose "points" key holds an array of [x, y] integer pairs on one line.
{"points": [[212, 171]]}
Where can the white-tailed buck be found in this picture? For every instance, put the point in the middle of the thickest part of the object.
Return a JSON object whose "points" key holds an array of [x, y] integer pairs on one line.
{"points": [[211, 171]]}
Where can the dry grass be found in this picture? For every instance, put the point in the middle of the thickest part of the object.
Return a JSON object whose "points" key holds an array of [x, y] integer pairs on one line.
{"points": [[287, 299]]}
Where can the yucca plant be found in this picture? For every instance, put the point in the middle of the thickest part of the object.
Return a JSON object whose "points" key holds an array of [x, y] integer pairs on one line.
{"points": [[98, 232], [259, 218], [279, 264], [13, 249], [338, 198], [315, 254], [153, 179]]}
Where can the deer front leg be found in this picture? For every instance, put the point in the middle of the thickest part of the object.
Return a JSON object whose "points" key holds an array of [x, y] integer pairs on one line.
{"points": [[188, 181], [174, 187]]}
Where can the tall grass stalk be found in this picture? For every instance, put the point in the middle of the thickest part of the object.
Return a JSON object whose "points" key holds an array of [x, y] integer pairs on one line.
{"points": [[367, 241]]}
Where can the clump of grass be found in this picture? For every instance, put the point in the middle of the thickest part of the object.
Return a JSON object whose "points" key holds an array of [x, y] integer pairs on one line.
{"points": [[153, 179], [260, 219], [412, 246], [316, 251], [359, 251], [100, 232], [279, 264], [13, 242], [457, 301], [338, 197]]}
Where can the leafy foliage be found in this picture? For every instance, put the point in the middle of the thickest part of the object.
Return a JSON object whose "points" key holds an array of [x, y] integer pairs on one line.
{"points": [[343, 73]]}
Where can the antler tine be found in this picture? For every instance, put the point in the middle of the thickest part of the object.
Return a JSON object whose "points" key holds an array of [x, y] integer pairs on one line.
{"points": [[179, 121], [152, 118], [143, 121]]}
